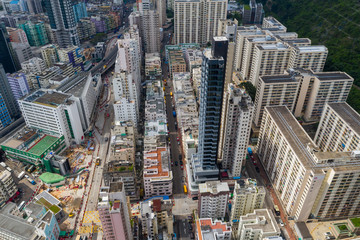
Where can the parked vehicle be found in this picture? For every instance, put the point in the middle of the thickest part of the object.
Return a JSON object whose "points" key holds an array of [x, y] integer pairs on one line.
{"points": [[31, 181], [22, 205], [9, 169], [3, 164], [277, 210], [21, 175], [250, 151], [174, 113]]}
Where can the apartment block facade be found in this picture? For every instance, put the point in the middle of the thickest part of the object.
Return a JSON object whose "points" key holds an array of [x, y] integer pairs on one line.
{"points": [[113, 212], [247, 197], [339, 128], [150, 24], [213, 198], [157, 174], [308, 57], [196, 21], [8, 187], [239, 110], [269, 59], [309, 182], [53, 113], [208, 229]]}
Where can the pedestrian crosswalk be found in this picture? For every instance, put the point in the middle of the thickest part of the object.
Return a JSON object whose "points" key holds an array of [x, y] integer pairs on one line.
{"points": [[90, 229], [91, 217]]}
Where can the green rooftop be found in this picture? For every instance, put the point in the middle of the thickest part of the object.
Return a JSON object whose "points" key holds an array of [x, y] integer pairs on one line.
{"points": [[55, 209], [50, 178], [247, 7], [355, 222], [42, 145]]}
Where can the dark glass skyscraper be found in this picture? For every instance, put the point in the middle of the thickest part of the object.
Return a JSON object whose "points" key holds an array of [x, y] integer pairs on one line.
{"points": [[211, 94], [7, 55], [8, 96]]}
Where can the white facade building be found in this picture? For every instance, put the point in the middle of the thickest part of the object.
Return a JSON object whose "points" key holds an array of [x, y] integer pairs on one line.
{"points": [[8, 187], [34, 65], [338, 118], [54, 113], [238, 115], [247, 197], [213, 198], [206, 229], [196, 21], [257, 225]]}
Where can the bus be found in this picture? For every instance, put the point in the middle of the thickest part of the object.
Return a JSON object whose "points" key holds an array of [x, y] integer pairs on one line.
{"points": [[185, 189], [277, 210], [21, 175]]}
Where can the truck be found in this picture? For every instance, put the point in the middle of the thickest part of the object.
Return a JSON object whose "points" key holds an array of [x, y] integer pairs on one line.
{"points": [[277, 210], [250, 151], [21, 175], [31, 181], [174, 113], [9, 169], [3, 164]]}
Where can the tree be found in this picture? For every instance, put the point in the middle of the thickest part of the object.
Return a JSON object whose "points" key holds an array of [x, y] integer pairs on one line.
{"points": [[99, 37], [249, 88]]}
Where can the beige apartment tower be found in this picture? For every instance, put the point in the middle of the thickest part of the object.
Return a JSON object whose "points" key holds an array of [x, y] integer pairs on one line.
{"points": [[309, 57], [307, 181], [269, 59], [196, 21], [151, 31], [339, 128], [274, 90], [304, 92]]}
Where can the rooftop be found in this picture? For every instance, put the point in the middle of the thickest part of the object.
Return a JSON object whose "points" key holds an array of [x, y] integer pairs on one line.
{"points": [[214, 187], [278, 46], [154, 164], [116, 187], [311, 49], [332, 76], [48, 98], [348, 115], [260, 219], [208, 229], [294, 134], [43, 144], [283, 78]]}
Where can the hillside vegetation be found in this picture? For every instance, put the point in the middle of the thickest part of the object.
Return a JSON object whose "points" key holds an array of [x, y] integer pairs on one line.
{"points": [[333, 23]]}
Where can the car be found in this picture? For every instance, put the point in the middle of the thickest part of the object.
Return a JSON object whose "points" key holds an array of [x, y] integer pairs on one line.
{"points": [[195, 198], [178, 143], [190, 227], [189, 217], [177, 139], [106, 139], [182, 167], [172, 163], [176, 163], [327, 233], [281, 223], [252, 157], [257, 169], [180, 157]]}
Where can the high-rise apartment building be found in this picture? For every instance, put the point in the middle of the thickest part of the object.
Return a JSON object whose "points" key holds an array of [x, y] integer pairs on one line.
{"points": [[339, 128], [126, 105], [213, 198], [17, 35], [257, 225], [269, 59], [18, 84], [252, 13], [151, 30], [208, 229], [307, 180], [62, 21], [273, 91], [5, 118], [114, 213], [8, 187], [34, 65], [308, 57], [197, 21], [54, 113], [35, 32], [212, 88], [22, 51], [8, 96], [157, 174], [248, 53], [34, 6], [156, 217], [271, 22], [160, 6], [304, 92], [49, 54], [239, 109], [247, 197], [7, 55], [80, 11]]}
